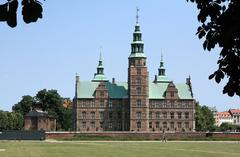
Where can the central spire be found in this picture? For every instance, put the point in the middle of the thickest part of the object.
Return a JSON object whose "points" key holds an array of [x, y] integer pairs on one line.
{"points": [[137, 46]]}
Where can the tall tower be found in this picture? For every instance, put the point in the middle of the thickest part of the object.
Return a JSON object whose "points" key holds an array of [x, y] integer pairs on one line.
{"points": [[138, 83]]}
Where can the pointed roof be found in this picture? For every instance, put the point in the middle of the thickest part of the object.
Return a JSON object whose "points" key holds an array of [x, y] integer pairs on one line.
{"points": [[100, 76], [137, 43], [161, 77]]}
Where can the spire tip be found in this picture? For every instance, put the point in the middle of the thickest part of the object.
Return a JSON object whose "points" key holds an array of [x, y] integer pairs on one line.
{"points": [[137, 16]]}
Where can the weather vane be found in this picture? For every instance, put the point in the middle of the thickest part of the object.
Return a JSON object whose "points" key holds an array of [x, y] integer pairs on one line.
{"points": [[100, 53], [137, 16]]}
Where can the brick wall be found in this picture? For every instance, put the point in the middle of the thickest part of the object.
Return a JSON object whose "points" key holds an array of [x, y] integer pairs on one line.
{"points": [[144, 135]]}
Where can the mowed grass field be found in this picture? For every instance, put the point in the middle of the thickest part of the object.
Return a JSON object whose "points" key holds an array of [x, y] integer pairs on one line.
{"points": [[118, 149]]}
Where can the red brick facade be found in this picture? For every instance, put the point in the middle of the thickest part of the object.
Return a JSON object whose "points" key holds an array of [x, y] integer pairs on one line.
{"points": [[97, 108]]}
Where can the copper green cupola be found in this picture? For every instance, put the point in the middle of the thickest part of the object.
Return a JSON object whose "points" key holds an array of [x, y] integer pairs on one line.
{"points": [[99, 76], [137, 45], [161, 77]]}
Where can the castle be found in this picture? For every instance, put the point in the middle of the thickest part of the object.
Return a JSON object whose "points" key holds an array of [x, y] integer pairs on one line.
{"points": [[135, 105]]}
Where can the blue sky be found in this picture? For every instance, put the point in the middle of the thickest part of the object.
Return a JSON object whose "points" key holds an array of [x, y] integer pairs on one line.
{"points": [[47, 54]]}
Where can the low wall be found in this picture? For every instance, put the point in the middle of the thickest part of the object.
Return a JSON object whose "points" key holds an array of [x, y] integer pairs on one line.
{"points": [[143, 135]]}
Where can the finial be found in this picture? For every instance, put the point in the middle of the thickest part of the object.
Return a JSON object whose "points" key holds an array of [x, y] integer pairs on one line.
{"points": [[161, 55], [137, 16], [100, 58]]}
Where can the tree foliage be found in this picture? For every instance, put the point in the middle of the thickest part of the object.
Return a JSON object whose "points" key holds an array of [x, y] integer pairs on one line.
{"points": [[11, 121], [50, 101], [220, 27], [204, 119], [31, 11]]}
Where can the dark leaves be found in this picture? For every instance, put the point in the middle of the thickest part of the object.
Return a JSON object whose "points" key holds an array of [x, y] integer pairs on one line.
{"points": [[12, 14], [3, 12], [8, 13], [221, 27], [32, 10]]}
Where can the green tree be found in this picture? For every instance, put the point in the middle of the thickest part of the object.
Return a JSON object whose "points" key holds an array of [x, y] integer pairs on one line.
{"points": [[204, 119], [3, 120], [220, 27], [25, 105], [10, 121], [47, 100]]}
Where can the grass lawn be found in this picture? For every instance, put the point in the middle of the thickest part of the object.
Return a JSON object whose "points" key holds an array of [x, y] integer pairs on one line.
{"points": [[119, 149]]}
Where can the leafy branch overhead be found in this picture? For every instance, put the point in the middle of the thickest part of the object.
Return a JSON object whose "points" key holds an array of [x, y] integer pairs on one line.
{"points": [[31, 11], [220, 27]]}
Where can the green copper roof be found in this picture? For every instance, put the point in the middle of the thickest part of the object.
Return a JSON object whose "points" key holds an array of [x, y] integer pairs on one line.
{"points": [[163, 79], [184, 91], [119, 90], [99, 77], [137, 55], [156, 90], [115, 91]]}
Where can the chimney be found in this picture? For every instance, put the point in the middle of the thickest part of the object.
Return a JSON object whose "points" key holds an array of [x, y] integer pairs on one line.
{"points": [[77, 85], [113, 80], [77, 78], [188, 80]]}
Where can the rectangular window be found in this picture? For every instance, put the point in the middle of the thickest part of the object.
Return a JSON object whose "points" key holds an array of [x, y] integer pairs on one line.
{"points": [[92, 104], [101, 124], [138, 90], [139, 102], [186, 115], [110, 125], [172, 94], [110, 115], [84, 124], [139, 115], [150, 124], [119, 125], [164, 124], [150, 115], [186, 124], [179, 125], [157, 125], [101, 103], [110, 104], [101, 115], [172, 104], [157, 115], [138, 71], [179, 115], [119, 115], [172, 125], [92, 124], [83, 115], [92, 115], [138, 125], [101, 93], [164, 115], [172, 115], [139, 81]]}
